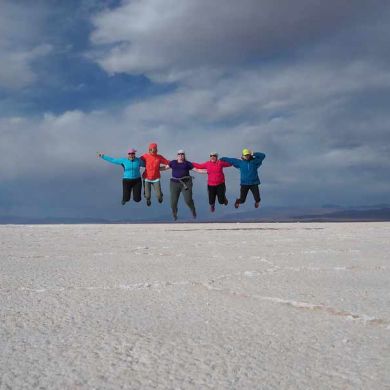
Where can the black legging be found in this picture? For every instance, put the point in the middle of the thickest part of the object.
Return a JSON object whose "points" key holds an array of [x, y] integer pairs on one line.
{"points": [[245, 189], [217, 191], [134, 185]]}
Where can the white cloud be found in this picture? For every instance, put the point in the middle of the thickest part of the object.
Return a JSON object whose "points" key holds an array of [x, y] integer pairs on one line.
{"points": [[297, 130], [21, 43], [167, 39]]}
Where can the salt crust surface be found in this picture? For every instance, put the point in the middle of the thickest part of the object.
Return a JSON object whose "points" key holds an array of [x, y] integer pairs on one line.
{"points": [[177, 306]]}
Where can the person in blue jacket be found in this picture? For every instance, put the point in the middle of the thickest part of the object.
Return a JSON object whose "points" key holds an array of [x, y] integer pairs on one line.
{"points": [[131, 181], [249, 177]]}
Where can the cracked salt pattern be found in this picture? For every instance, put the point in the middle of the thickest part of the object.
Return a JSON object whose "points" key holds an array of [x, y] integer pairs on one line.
{"points": [[195, 306]]}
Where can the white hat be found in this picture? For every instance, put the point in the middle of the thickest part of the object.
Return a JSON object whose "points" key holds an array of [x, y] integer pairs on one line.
{"points": [[180, 151]]}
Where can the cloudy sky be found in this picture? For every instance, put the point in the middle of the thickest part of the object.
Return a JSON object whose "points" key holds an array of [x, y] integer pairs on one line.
{"points": [[306, 82]]}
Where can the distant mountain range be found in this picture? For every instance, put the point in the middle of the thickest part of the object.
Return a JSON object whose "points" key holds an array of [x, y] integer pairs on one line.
{"points": [[326, 213], [329, 213]]}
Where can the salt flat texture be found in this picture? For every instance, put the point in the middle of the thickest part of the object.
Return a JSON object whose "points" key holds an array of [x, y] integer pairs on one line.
{"points": [[201, 306]]}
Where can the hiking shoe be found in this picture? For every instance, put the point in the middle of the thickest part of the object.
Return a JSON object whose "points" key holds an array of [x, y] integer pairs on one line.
{"points": [[237, 203], [257, 204], [226, 202], [148, 202], [174, 216], [212, 208], [123, 202], [194, 213], [160, 200]]}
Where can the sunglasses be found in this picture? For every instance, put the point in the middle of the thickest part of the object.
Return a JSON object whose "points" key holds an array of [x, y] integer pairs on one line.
{"points": [[180, 154], [213, 155], [131, 153]]}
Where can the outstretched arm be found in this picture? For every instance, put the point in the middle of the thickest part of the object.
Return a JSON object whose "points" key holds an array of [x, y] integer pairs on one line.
{"points": [[226, 164], [200, 170], [117, 161], [199, 166], [232, 161], [163, 160]]}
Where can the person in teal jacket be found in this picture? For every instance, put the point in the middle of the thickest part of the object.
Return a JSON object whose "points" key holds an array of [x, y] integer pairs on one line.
{"points": [[131, 181], [249, 177]]}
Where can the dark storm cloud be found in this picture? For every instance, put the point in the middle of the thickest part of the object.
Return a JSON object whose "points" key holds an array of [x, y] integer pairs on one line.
{"points": [[166, 38], [306, 82]]}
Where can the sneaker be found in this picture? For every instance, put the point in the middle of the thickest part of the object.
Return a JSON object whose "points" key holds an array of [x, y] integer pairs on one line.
{"points": [[194, 213], [226, 202], [123, 202], [257, 204], [237, 203], [212, 208], [148, 202], [160, 200]]}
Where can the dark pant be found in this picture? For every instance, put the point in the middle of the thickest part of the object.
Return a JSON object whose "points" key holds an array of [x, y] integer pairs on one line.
{"points": [[130, 185], [178, 188], [217, 191], [245, 189]]}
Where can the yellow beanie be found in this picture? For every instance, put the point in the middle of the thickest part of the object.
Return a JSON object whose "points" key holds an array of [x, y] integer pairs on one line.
{"points": [[245, 152]]}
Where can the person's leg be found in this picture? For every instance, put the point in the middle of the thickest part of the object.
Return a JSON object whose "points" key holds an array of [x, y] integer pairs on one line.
{"points": [[188, 198], [137, 188], [175, 194], [148, 191], [244, 188], [157, 188], [212, 191], [256, 194], [221, 193], [126, 190]]}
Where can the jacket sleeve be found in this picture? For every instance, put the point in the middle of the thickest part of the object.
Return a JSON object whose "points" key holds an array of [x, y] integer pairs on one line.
{"points": [[226, 164], [200, 166], [232, 161], [117, 161], [163, 160], [259, 157], [141, 162]]}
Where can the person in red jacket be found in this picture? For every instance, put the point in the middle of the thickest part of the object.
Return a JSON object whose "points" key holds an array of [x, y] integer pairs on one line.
{"points": [[216, 179], [151, 175]]}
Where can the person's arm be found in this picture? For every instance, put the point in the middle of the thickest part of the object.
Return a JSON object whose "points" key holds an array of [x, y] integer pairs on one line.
{"points": [[225, 164], [163, 160], [117, 161], [259, 157], [165, 167], [200, 166], [141, 162], [232, 161], [200, 170], [191, 167]]}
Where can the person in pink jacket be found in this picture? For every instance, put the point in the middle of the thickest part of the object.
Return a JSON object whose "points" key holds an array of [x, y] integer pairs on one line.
{"points": [[216, 179]]}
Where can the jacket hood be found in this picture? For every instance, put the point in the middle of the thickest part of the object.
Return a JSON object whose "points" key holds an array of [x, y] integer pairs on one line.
{"points": [[153, 146]]}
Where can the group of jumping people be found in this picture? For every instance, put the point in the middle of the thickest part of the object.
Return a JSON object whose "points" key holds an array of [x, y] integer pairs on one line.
{"points": [[181, 180]]}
